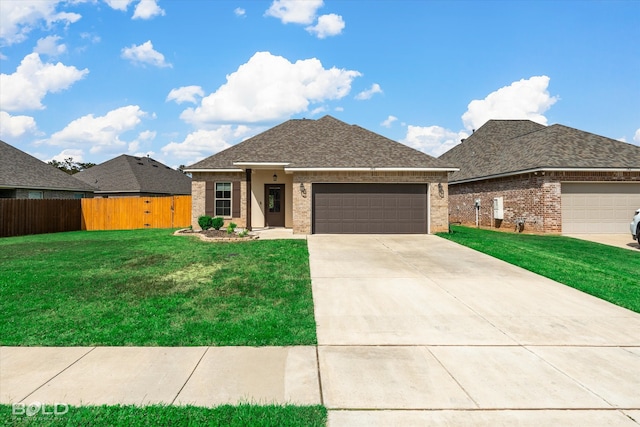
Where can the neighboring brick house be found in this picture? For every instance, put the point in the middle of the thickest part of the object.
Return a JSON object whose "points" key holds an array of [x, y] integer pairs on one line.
{"points": [[22, 176], [130, 176], [323, 176], [556, 179]]}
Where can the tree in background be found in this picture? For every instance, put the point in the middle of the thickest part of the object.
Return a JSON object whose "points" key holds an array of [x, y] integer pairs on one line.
{"points": [[69, 166]]}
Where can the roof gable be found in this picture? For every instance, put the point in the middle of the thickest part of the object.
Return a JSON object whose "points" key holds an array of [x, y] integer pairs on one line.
{"points": [[21, 170], [510, 146], [136, 175], [323, 143]]}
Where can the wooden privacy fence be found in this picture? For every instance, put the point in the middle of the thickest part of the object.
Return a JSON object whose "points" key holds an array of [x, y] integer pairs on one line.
{"points": [[19, 217], [128, 213]]}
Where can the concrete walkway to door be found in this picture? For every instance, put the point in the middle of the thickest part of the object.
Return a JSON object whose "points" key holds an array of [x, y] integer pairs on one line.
{"points": [[417, 330]]}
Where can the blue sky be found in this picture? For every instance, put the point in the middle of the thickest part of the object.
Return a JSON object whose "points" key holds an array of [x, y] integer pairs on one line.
{"points": [[180, 80]]}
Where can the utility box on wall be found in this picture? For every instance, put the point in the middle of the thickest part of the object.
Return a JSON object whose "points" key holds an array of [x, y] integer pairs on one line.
{"points": [[498, 208]]}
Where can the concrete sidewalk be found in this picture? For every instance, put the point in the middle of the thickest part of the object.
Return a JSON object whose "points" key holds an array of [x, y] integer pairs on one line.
{"points": [[202, 376], [412, 330]]}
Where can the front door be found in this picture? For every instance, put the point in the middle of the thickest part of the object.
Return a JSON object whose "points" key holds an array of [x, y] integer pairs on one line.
{"points": [[274, 204]]}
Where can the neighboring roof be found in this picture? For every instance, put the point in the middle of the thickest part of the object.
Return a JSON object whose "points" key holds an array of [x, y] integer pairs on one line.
{"points": [[504, 147], [323, 143], [21, 170], [129, 174]]}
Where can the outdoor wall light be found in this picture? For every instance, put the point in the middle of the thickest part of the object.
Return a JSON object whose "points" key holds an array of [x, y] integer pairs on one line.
{"points": [[440, 190], [275, 177], [303, 191]]}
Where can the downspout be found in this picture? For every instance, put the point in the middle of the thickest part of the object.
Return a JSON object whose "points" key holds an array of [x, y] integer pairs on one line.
{"points": [[248, 177]]}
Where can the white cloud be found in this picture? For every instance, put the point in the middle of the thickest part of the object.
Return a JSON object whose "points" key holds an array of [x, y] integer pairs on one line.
{"points": [[19, 17], [49, 46], [144, 138], [76, 154], [147, 9], [147, 135], [33, 79], [145, 54], [327, 25], [185, 94], [270, 88], [318, 110], [636, 137], [239, 11], [524, 99], [200, 144], [100, 133], [388, 121], [15, 126], [433, 140], [294, 11], [367, 94], [119, 4]]}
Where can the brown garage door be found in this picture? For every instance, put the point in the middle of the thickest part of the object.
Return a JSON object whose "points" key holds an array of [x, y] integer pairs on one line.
{"points": [[369, 208]]}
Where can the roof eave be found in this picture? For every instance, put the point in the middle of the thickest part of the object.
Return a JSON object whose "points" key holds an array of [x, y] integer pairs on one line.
{"points": [[542, 169], [36, 187], [192, 170], [369, 169], [261, 165]]}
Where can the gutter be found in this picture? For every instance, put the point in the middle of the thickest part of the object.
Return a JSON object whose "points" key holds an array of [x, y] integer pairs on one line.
{"points": [[374, 169], [502, 175]]}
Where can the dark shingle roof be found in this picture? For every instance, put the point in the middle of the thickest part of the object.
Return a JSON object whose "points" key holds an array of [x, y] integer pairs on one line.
{"points": [[21, 170], [322, 143], [136, 174], [510, 146]]}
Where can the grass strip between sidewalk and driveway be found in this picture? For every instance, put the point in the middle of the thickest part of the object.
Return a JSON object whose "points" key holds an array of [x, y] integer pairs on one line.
{"points": [[607, 272], [151, 288], [160, 415]]}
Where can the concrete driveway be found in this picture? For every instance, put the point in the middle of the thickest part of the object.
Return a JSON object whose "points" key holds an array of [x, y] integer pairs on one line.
{"points": [[618, 240], [417, 330]]}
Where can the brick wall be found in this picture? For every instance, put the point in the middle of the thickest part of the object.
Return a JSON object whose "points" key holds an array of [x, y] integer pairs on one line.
{"points": [[198, 184], [535, 197], [302, 200]]}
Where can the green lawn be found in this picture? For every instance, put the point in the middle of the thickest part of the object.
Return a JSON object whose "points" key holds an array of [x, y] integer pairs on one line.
{"points": [[133, 416], [606, 272], [150, 288]]}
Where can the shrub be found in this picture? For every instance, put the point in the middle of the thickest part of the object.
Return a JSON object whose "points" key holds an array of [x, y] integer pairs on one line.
{"points": [[205, 222], [231, 227], [217, 222]]}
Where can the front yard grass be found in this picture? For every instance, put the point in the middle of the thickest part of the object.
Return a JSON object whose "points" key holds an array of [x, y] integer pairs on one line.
{"points": [[607, 272], [150, 288], [158, 415]]}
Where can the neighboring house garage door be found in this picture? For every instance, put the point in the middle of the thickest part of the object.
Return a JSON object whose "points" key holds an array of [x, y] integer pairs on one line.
{"points": [[598, 208], [369, 208]]}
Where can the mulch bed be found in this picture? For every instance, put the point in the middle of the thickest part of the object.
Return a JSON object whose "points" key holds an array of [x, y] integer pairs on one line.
{"points": [[215, 235]]}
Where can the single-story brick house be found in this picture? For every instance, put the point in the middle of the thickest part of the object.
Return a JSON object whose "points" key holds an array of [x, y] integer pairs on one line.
{"points": [[323, 176], [131, 176], [554, 178], [23, 176]]}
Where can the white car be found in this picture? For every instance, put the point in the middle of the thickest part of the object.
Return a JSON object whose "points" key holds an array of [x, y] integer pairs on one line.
{"points": [[635, 226]]}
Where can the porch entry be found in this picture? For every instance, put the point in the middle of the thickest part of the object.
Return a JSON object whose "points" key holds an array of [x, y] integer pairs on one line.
{"points": [[274, 205]]}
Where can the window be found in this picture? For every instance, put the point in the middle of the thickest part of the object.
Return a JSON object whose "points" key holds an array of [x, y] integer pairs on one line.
{"points": [[223, 199], [78, 195], [35, 194]]}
